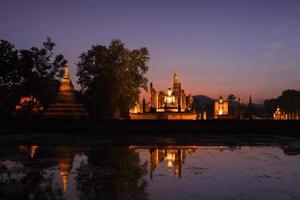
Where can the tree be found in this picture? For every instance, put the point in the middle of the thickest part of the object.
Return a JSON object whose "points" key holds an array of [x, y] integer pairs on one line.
{"points": [[8, 64], [8, 76], [270, 106], [41, 71], [231, 98], [111, 78], [28, 72], [288, 101]]}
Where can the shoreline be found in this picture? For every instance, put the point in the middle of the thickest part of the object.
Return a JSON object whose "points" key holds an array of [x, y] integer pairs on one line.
{"points": [[152, 127]]}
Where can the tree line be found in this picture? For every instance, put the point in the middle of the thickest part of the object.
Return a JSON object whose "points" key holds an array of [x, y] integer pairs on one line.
{"points": [[288, 101], [28, 72], [111, 77]]}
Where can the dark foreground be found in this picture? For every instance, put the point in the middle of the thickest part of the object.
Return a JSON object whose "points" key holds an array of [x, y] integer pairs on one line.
{"points": [[117, 127]]}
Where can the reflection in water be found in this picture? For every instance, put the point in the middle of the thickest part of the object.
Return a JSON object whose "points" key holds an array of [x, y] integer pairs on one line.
{"points": [[112, 173], [27, 176], [90, 171], [174, 156], [29, 150], [65, 159]]}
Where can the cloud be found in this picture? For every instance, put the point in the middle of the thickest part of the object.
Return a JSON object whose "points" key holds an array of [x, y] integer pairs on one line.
{"points": [[270, 49], [281, 28], [287, 65], [276, 45]]}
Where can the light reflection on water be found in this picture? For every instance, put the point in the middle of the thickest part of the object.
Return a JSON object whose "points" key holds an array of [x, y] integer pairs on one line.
{"points": [[148, 172], [223, 173]]}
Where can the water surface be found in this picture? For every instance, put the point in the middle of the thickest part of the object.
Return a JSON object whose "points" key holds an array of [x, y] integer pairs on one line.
{"points": [[170, 168]]}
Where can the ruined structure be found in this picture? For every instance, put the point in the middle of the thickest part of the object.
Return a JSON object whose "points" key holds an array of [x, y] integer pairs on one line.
{"points": [[173, 104], [174, 100], [283, 115], [220, 108], [65, 105]]}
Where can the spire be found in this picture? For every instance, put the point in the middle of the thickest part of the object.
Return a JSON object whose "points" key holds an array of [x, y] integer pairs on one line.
{"points": [[250, 99], [176, 79], [67, 74], [250, 109]]}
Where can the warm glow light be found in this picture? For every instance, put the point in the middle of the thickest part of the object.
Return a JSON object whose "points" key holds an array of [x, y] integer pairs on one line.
{"points": [[221, 107], [221, 110], [170, 159], [33, 150], [25, 100]]}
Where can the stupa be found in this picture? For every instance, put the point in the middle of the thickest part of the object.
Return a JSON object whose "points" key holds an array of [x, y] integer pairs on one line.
{"points": [[65, 105]]}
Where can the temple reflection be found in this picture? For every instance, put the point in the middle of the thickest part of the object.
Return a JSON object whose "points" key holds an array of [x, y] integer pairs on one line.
{"points": [[29, 150], [63, 157], [173, 156], [67, 171], [65, 161]]}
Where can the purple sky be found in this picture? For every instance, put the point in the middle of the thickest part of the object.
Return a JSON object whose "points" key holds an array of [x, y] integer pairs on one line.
{"points": [[217, 47]]}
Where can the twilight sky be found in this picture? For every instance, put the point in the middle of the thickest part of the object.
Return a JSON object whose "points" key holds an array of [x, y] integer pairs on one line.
{"points": [[217, 47]]}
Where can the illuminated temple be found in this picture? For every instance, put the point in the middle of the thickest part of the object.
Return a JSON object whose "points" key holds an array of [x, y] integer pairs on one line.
{"points": [[284, 115], [65, 105], [173, 104], [175, 100], [220, 108]]}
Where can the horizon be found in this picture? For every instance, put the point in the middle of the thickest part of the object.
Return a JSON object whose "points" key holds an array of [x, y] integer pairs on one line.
{"points": [[216, 48]]}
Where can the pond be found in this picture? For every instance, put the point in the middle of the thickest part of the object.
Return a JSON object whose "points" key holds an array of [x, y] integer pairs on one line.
{"points": [[150, 167]]}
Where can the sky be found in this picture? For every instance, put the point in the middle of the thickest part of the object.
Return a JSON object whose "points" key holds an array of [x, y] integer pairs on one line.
{"points": [[217, 47]]}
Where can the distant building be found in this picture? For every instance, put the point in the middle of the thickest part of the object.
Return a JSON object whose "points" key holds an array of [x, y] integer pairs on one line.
{"points": [[174, 100], [278, 114], [240, 111], [220, 108], [136, 108], [250, 111], [202, 115], [173, 104], [283, 115], [28, 106]]}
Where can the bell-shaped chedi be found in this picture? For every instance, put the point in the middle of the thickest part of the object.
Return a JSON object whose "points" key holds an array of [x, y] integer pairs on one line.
{"points": [[65, 105]]}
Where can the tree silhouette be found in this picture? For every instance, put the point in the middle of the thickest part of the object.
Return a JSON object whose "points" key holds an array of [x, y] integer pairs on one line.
{"points": [[231, 98], [288, 101], [111, 78], [28, 72]]}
